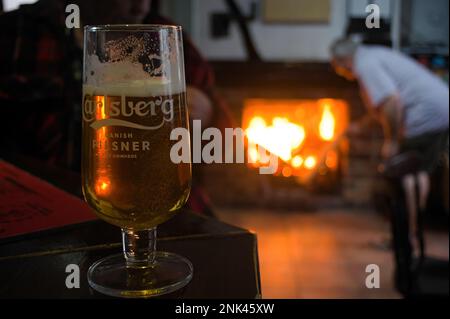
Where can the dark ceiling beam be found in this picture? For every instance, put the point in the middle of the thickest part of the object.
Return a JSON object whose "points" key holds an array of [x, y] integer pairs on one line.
{"points": [[252, 53]]}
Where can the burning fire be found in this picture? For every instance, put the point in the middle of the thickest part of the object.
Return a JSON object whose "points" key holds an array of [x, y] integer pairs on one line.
{"points": [[281, 138], [297, 161], [297, 131], [327, 124], [310, 162]]}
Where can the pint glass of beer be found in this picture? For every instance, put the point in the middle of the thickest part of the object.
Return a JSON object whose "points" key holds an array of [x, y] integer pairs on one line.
{"points": [[134, 96]]}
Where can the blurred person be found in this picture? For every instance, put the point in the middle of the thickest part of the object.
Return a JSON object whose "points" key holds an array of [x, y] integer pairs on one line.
{"points": [[410, 102], [41, 73]]}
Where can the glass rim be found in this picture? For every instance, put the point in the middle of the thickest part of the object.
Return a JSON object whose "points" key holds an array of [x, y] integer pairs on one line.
{"points": [[132, 27]]}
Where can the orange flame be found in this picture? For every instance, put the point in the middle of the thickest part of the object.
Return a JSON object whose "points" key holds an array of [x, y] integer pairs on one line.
{"points": [[310, 162], [281, 138], [327, 124], [297, 161], [299, 132]]}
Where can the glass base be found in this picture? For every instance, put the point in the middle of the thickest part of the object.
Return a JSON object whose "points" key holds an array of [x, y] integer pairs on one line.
{"points": [[168, 273]]}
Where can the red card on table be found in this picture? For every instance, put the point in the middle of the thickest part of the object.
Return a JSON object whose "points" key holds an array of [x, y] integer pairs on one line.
{"points": [[29, 204]]}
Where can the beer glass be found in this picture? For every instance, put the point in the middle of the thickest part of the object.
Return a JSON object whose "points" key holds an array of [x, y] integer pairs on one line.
{"points": [[134, 96]]}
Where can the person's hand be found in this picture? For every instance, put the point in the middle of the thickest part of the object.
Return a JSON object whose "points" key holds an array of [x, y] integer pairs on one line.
{"points": [[390, 149], [200, 106]]}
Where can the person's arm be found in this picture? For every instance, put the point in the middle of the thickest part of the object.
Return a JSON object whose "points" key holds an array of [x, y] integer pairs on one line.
{"points": [[390, 118], [381, 97], [390, 115]]}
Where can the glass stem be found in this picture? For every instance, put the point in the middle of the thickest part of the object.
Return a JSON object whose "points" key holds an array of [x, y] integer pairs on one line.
{"points": [[139, 247]]}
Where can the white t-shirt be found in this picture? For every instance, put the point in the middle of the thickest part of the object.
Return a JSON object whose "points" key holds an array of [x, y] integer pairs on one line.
{"points": [[383, 72]]}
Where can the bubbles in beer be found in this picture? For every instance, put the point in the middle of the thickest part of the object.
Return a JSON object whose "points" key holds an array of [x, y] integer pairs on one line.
{"points": [[133, 96]]}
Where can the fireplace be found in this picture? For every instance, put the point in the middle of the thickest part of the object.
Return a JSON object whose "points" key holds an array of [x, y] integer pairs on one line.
{"points": [[277, 90], [306, 135]]}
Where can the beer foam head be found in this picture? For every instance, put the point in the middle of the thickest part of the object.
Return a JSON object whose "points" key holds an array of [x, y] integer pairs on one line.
{"points": [[127, 78], [123, 74], [113, 72]]}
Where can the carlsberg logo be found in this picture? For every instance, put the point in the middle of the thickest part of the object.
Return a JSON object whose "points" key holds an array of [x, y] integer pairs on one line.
{"points": [[103, 111]]}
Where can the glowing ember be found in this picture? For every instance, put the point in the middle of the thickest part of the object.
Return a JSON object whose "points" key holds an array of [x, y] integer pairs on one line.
{"points": [[281, 138], [310, 162], [327, 124], [297, 161]]}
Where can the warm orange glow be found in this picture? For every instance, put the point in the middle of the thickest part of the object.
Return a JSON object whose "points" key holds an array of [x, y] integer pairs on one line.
{"points": [[102, 186], [310, 162], [287, 171], [298, 131], [327, 124], [280, 138], [100, 115], [253, 154], [331, 160], [297, 161]]}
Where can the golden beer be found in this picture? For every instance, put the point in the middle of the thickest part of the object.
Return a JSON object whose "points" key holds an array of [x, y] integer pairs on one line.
{"points": [[133, 175], [128, 176]]}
